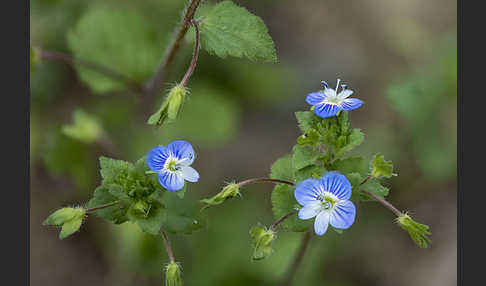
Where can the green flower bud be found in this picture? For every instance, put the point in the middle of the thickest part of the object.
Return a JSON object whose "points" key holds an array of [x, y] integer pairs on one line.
{"points": [[173, 274], [171, 106], [141, 207], [230, 191], [417, 231], [70, 219], [262, 239], [309, 138], [380, 167]]}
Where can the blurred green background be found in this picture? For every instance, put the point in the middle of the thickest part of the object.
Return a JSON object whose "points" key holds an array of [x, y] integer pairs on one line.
{"points": [[398, 56]]}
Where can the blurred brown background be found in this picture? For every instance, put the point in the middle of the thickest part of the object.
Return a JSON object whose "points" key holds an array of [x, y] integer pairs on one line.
{"points": [[398, 56]]}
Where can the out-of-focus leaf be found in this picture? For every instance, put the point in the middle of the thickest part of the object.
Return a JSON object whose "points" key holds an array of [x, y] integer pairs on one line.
{"points": [[85, 127], [121, 40]]}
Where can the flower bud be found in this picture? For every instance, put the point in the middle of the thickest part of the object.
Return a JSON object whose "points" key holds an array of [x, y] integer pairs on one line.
{"points": [[230, 191], [141, 207], [171, 106], [173, 274], [70, 219], [417, 231], [262, 239]]}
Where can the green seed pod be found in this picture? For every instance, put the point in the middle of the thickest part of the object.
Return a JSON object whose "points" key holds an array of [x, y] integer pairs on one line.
{"points": [[173, 274], [171, 106], [262, 239], [230, 191], [417, 231], [70, 219]]}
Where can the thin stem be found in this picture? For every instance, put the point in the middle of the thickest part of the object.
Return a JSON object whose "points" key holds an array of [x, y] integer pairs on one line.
{"points": [[264, 180], [192, 66], [102, 206], [172, 50], [297, 261], [167, 246], [384, 202], [278, 222], [129, 82]]}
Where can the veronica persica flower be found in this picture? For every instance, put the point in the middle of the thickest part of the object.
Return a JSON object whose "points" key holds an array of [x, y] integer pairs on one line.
{"points": [[172, 163], [329, 102], [327, 200]]}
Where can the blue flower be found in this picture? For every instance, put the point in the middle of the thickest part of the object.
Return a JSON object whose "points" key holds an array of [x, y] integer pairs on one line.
{"points": [[326, 199], [328, 103], [172, 163]]}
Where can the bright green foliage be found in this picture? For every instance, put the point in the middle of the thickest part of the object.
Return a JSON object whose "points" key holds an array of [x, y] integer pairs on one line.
{"points": [[231, 30], [262, 239], [417, 231], [170, 107], [142, 200], [312, 171], [283, 202], [282, 169], [117, 39], [173, 274], [70, 219], [230, 191], [350, 165], [84, 128], [373, 186], [380, 167], [304, 156], [334, 133]]}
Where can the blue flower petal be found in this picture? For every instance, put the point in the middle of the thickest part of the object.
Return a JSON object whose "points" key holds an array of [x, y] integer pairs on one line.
{"points": [[171, 181], [337, 184], [314, 98], [156, 158], [326, 110], [310, 210], [343, 214], [307, 191], [321, 223], [351, 103], [189, 174], [182, 149]]}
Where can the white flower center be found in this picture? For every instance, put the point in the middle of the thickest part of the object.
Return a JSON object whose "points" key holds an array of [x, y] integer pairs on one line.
{"points": [[328, 200]]}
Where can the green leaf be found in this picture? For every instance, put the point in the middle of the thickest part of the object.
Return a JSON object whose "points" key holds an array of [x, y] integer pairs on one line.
{"points": [[373, 186], [112, 169], [283, 202], [307, 120], [231, 30], [351, 165], [282, 169], [354, 139], [115, 213], [309, 138], [304, 156], [312, 171], [150, 222], [380, 167], [118, 192], [70, 227], [84, 128], [355, 180], [120, 40], [181, 215]]}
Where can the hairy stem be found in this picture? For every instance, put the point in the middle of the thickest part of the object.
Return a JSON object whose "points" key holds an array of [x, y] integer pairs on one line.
{"points": [[192, 66], [278, 222], [384, 202], [158, 76], [297, 261], [167, 246], [102, 206], [263, 180], [129, 82]]}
